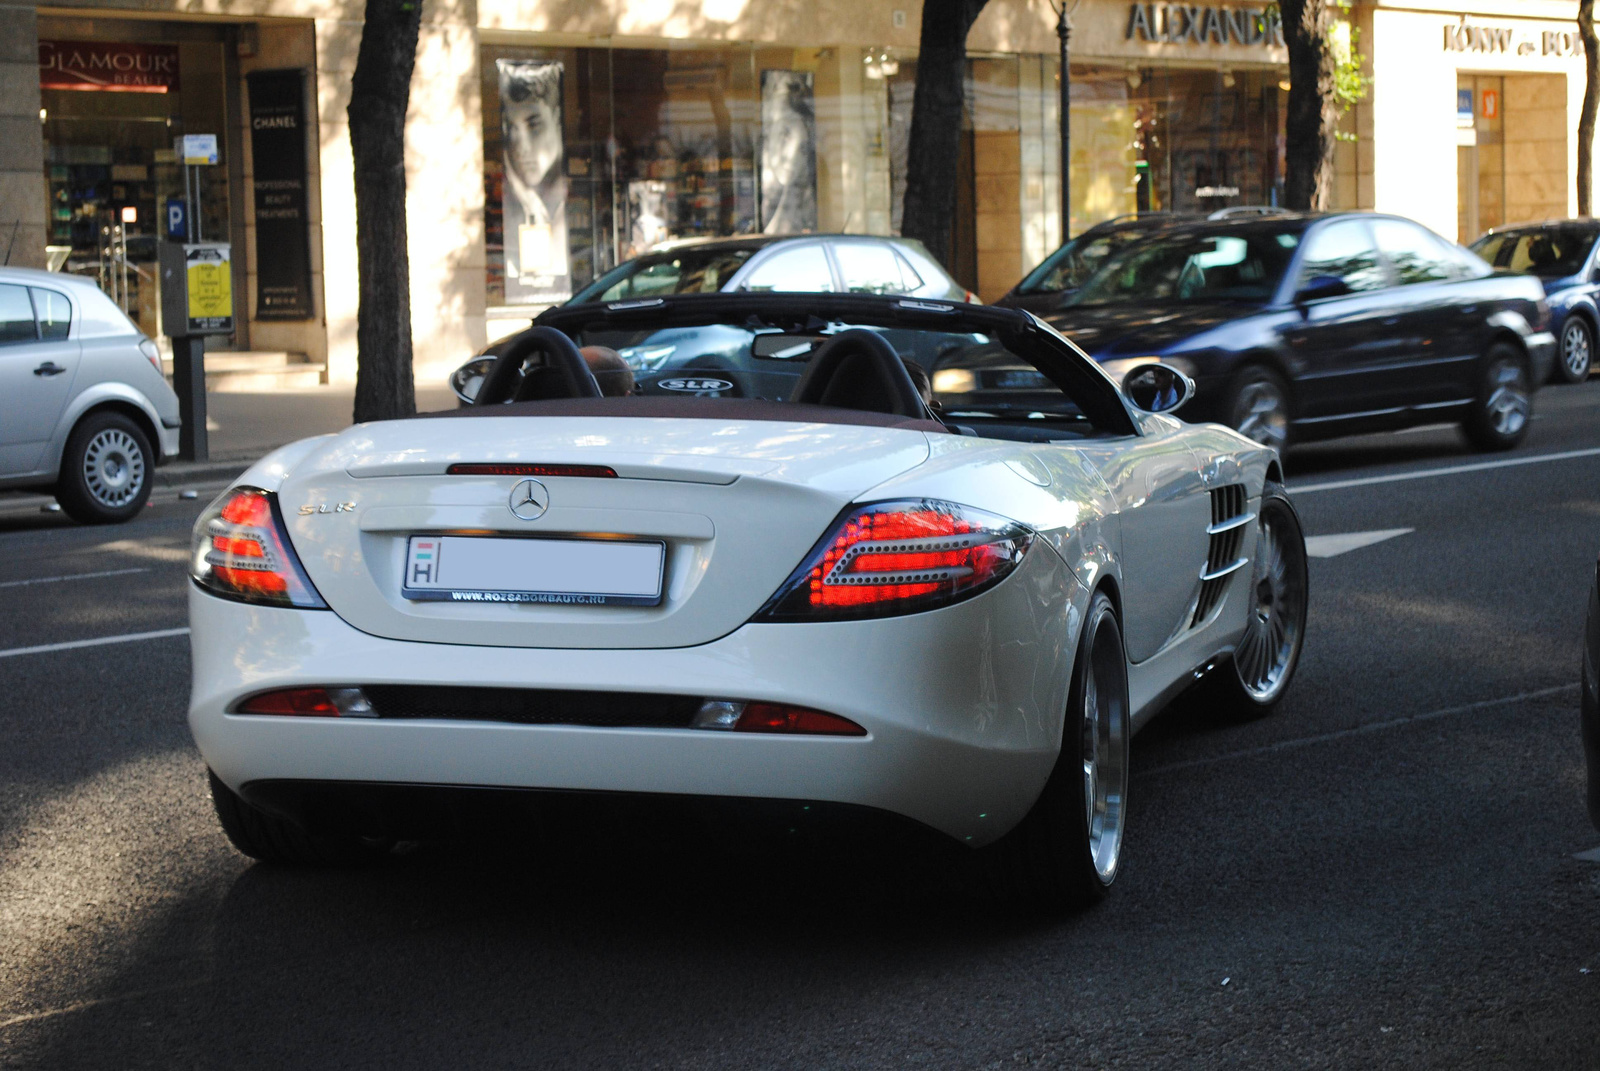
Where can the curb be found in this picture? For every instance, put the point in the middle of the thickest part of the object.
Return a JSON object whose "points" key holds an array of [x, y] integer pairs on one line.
{"points": [[187, 472]]}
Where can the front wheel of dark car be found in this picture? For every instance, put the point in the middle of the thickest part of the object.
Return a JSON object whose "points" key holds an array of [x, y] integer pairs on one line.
{"points": [[1577, 350], [271, 838], [1258, 406], [105, 470], [1500, 413], [1065, 854], [1255, 677]]}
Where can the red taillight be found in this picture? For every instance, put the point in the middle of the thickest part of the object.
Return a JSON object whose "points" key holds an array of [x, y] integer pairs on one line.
{"points": [[781, 718], [242, 552], [520, 469], [310, 703], [900, 557]]}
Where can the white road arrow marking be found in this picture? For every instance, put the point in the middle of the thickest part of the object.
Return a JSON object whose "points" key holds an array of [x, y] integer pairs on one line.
{"points": [[1331, 546]]}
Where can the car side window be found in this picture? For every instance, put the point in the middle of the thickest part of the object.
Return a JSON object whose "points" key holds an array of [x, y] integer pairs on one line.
{"points": [[16, 315], [869, 268], [1345, 251], [53, 311], [801, 269], [1415, 254]]}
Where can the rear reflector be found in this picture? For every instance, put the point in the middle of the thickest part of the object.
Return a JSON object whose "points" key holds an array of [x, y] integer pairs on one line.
{"points": [[772, 718], [488, 469], [310, 703]]}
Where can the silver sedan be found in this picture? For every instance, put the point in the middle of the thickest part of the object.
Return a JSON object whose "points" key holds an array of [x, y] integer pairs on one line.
{"points": [[85, 412]]}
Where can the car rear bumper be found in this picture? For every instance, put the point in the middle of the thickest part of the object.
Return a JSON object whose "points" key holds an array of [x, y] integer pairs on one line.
{"points": [[963, 707]]}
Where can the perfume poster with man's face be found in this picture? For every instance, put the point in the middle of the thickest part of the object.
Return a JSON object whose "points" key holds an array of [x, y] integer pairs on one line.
{"points": [[534, 191]]}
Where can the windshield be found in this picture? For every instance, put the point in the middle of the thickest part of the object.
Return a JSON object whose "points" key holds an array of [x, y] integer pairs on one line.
{"points": [[1550, 252], [680, 271], [1069, 266], [1241, 266]]}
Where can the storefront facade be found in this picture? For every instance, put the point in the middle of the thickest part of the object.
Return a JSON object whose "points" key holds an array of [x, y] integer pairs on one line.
{"points": [[548, 140]]}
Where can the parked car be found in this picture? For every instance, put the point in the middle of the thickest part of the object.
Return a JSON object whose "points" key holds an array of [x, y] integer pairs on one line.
{"points": [[1591, 696], [1297, 327], [85, 413], [1058, 276], [836, 603], [1561, 253], [694, 359]]}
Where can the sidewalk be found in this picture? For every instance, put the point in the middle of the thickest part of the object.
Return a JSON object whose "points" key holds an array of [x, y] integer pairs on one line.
{"points": [[244, 427]]}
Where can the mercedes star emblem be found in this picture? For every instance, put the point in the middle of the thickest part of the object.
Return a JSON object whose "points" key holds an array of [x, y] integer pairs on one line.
{"points": [[529, 500]]}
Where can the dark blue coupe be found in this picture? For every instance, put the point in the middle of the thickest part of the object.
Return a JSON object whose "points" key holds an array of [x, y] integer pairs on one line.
{"points": [[1562, 255]]}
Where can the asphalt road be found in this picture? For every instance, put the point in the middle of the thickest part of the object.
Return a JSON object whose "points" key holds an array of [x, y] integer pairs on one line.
{"points": [[1384, 873]]}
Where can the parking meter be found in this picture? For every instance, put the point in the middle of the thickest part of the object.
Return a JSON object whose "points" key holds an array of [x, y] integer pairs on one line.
{"points": [[196, 301]]}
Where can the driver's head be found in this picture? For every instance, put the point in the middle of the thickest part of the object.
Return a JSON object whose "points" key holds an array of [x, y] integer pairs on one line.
{"points": [[610, 370]]}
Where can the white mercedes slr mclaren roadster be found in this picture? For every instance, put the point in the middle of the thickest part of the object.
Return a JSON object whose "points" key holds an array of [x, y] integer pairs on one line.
{"points": [[796, 576]]}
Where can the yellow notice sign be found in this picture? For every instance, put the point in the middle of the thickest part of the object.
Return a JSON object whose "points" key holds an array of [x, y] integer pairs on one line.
{"points": [[210, 285]]}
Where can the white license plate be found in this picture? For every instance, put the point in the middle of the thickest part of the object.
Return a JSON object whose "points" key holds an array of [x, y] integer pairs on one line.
{"points": [[562, 572]]}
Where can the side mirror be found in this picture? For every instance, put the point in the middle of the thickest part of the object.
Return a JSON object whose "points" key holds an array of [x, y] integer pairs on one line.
{"points": [[1321, 286], [1156, 387], [466, 380]]}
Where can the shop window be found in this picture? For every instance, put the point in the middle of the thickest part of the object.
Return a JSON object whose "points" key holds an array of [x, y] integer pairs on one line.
{"points": [[16, 315], [801, 268]]}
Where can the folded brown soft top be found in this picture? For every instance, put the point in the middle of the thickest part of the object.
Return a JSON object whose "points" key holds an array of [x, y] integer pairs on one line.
{"points": [[692, 408]]}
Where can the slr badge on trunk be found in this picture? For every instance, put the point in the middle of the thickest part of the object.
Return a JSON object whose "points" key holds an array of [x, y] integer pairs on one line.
{"points": [[322, 507], [529, 500]]}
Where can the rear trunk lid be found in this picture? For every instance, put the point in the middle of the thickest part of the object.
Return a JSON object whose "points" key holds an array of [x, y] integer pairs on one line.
{"points": [[736, 503]]}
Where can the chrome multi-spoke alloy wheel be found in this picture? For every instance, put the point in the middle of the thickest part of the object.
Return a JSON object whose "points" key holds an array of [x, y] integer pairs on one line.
{"points": [[1275, 619], [1104, 724], [113, 468]]}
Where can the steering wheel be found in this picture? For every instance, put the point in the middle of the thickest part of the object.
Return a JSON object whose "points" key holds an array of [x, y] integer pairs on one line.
{"points": [[564, 374], [857, 369]]}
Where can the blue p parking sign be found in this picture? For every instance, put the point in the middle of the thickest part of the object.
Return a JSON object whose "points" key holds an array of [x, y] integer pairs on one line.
{"points": [[177, 220]]}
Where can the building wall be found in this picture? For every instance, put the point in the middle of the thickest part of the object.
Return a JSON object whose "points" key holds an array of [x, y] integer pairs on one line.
{"points": [[1413, 107], [22, 186]]}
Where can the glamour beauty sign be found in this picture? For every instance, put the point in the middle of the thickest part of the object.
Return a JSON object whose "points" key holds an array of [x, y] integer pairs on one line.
{"points": [[108, 66]]}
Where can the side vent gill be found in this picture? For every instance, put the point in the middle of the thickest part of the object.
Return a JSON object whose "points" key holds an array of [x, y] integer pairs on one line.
{"points": [[1228, 522]]}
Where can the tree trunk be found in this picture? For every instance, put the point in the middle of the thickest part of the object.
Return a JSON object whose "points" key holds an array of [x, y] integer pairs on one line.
{"points": [[1591, 102], [930, 200], [380, 92], [1313, 113]]}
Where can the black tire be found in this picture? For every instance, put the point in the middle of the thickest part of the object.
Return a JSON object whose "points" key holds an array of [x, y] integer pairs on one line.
{"points": [[273, 839], [1253, 680], [1574, 351], [1052, 861], [1259, 405], [1500, 413], [106, 470]]}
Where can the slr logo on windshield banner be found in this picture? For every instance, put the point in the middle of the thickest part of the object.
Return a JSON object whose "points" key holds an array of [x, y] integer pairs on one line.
{"points": [[695, 385]]}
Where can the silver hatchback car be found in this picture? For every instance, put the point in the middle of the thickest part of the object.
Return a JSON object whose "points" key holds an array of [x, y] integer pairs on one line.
{"points": [[85, 413]]}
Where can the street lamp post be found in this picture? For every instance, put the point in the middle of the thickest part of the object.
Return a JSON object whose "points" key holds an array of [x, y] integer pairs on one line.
{"points": [[1064, 33]]}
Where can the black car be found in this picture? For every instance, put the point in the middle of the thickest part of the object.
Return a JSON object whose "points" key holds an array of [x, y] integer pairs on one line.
{"points": [[1561, 253], [1591, 696], [1298, 327]]}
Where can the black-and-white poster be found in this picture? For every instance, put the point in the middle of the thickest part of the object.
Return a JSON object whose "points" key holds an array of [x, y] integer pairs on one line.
{"points": [[788, 153], [534, 194], [278, 151]]}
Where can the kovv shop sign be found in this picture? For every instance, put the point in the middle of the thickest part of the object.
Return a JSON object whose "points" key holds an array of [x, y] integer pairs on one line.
{"points": [[1193, 24], [108, 66], [1464, 36]]}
